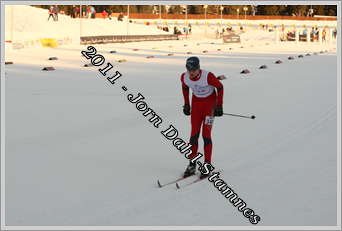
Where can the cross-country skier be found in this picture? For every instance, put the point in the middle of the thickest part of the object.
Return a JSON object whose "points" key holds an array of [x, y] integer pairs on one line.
{"points": [[205, 104]]}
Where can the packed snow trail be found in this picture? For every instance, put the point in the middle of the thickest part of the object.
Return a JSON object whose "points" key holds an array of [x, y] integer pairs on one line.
{"points": [[78, 153]]}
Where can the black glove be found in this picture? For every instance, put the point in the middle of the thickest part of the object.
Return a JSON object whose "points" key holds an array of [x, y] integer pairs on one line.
{"points": [[218, 111], [186, 109]]}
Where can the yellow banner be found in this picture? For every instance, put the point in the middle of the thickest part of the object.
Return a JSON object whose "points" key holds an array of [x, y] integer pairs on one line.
{"points": [[49, 42]]}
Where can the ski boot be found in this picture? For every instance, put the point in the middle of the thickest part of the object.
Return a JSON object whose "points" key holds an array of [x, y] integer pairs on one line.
{"points": [[202, 176], [190, 170]]}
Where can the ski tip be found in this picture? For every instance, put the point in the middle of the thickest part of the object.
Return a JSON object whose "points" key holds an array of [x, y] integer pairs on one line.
{"points": [[159, 184], [177, 186]]}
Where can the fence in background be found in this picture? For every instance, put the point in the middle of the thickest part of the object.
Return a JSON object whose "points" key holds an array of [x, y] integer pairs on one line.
{"points": [[125, 38], [218, 16]]}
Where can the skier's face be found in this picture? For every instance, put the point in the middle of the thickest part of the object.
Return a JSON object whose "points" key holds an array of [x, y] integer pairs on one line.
{"points": [[194, 73]]}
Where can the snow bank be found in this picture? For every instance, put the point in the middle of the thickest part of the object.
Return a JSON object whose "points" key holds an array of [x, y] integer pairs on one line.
{"points": [[26, 23], [100, 26]]}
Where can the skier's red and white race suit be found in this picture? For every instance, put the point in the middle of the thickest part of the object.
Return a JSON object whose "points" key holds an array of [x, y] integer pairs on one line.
{"points": [[204, 100]]}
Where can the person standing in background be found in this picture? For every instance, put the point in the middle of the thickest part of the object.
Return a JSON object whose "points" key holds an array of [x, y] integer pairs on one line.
{"points": [[51, 13], [55, 12]]}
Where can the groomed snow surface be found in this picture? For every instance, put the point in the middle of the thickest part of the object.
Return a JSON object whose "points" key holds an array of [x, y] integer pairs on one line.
{"points": [[79, 153]]}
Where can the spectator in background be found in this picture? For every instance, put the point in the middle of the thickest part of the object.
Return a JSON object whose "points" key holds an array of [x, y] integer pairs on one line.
{"points": [[73, 12], [253, 10], [104, 14], [76, 10], [312, 34], [316, 33], [282, 33], [305, 31], [55, 12], [324, 34], [51, 13], [311, 12], [69, 11], [120, 17], [88, 12], [176, 31], [93, 12], [109, 14]]}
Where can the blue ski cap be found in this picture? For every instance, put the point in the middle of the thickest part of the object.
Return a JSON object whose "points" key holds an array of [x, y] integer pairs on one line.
{"points": [[192, 63]]}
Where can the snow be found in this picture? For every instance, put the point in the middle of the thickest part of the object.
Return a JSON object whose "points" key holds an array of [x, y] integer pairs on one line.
{"points": [[79, 153], [93, 27], [31, 23]]}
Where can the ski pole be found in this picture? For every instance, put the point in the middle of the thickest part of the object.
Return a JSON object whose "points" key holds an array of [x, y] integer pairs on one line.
{"points": [[248, 117]]}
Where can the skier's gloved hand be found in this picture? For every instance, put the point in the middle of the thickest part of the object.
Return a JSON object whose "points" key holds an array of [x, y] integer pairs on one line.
{"points": [[186, 109], [218, 111]]}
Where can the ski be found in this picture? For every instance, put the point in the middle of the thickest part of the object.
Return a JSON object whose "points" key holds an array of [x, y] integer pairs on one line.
{"points": [[192, 182], [172, 182]]}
